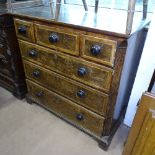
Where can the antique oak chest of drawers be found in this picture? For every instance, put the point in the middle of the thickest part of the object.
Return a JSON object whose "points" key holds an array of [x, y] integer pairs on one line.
{"points": [[73, 72], [11, 68]]}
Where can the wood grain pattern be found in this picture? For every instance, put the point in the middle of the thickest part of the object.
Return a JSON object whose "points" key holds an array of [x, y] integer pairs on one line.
{"points": [[107, 52], [68, 41], [61, 73], [96, 76], [145, 143], [118, 65], [65, 15], [66, 108], [141, 139], [93, 99], [29, 35]]}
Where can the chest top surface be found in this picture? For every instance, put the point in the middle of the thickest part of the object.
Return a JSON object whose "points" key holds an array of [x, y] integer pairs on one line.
{"points": [[106, 20]]}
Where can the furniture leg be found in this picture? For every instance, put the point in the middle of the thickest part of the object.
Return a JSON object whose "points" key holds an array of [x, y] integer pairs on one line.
{"points": [[85, 5], [96, 5]]}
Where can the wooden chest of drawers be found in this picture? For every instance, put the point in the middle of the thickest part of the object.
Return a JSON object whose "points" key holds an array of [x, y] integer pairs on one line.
{"points": [[11, 68], [74, 73]]}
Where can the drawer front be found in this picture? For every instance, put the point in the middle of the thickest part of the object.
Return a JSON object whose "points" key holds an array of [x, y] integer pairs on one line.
{"points": [[66, 108], [99, 49], [24, 30], [79, 93], [88, 73], [56, 38]]}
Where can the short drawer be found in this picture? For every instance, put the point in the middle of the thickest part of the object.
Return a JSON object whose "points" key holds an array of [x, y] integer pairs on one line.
{"points": [[79, 93], [83, 71], [24, 30], [67, 109], [98, 49], [62, 39]]}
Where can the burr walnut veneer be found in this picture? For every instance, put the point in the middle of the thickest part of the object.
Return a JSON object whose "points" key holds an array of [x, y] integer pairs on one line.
{"points": [[73, 72]]}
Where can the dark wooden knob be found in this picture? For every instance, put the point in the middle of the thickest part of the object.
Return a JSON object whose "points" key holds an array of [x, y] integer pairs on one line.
{"points": [[81, 93], [53, 38], [95, 50], [22, 29], [82, 71], [39, 94], [79, 117], [32, 53], [36, 73]]}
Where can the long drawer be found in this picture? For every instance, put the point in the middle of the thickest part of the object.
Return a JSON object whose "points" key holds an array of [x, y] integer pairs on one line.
{"points": [[86, 96], [66, 108], [83, 71]]}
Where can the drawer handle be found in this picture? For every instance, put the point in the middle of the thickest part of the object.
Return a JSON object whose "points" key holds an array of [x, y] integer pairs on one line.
{"points": [[53, 38], [39, 94], [36, 73], [22, 29], [95, 50], [81, 93], [79, 117], [82, 71], [32, 53]]}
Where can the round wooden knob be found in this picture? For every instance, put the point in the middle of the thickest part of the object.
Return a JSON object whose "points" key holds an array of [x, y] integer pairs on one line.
{"points": [[79, 117], [53, 38], [32, 53], [39, 94], [22, 29], [95, 50], [81, 93], [36, 73], [82, 71]]}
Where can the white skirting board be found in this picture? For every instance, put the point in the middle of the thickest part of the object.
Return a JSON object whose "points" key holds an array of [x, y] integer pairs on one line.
{"points": [[144, 73]]}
